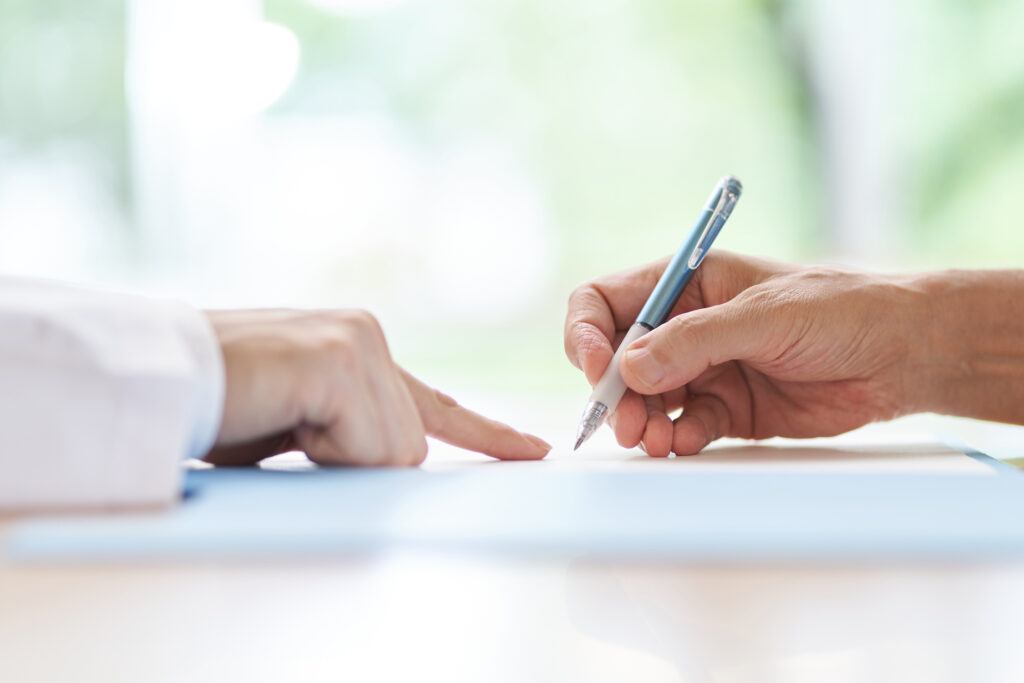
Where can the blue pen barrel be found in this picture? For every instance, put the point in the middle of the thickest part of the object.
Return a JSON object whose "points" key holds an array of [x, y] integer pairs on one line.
{"points": [[690, 255]]}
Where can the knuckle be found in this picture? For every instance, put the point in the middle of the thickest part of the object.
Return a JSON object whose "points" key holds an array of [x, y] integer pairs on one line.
{"points": [[583, 302], [366, 326], [583, 291], [340, 347], [582, 333], [444, 399], [352, 336], [418, 452]]}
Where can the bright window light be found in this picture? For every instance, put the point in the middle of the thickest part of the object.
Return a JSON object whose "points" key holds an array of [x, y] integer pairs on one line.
{"points": [[225, 71]]}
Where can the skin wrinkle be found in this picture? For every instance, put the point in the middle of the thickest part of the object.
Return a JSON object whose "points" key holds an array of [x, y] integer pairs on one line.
{"points": [[606, 323], [582, 338], [595, 348], [751, 400]]}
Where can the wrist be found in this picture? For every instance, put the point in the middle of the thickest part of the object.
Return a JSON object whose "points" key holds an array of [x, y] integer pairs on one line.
{"points": [[970, 357], [918, 362], [933, 365]]}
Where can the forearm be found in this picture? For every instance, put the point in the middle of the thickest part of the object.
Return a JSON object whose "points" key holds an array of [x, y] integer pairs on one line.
{"points": [[971, 352]]}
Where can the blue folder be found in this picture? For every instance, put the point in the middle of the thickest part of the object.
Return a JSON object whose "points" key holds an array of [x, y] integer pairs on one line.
{"points": [[554, 512]]}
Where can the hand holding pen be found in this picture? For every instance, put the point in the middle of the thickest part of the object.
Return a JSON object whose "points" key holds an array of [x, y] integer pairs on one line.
{"points": [[757, 348], [610, 388]]}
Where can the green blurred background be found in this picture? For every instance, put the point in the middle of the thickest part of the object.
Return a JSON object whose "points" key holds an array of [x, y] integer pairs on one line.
{"points": [[458, 166]]}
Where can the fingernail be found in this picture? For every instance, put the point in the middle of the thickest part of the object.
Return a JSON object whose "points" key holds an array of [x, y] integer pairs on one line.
{"points": [[644, 367], [538, 442]]}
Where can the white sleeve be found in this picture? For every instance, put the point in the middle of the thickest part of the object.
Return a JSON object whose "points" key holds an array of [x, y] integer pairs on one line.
{"points": [[101, 395]]}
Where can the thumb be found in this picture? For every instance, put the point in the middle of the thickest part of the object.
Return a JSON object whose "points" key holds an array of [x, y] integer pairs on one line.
{"points": [[680, 350]]}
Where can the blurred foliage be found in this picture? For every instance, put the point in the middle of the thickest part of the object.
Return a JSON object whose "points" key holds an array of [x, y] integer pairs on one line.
{"points": [[983, 139], [621, 114], [616, 106], [62, 80]]}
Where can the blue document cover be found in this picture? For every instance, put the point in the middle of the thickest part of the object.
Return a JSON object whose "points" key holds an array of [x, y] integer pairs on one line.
{"points": [[553, 512]]}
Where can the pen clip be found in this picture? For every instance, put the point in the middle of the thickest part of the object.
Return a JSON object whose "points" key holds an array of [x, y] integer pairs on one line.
{"points": [[723, 208]]}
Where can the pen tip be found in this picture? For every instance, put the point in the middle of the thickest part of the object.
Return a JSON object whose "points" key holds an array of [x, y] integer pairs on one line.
{"points": [[579, 442]]}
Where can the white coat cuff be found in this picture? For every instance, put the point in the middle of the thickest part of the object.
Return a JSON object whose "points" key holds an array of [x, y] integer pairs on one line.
{"points": [[208, 401]]}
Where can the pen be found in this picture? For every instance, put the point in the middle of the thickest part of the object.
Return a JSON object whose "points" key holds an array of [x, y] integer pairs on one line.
{"points": [[610, 388]]}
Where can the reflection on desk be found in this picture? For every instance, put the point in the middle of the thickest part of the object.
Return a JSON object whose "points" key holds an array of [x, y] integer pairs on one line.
{"points": [[401, 617]]}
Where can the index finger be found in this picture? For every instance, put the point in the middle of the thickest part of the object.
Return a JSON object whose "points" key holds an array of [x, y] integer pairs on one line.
{"points": [[444, 419], [601, 308]]}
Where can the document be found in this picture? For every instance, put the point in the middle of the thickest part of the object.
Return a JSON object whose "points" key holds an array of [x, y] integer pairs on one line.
{"points": [[775, 456], [751, 503]]}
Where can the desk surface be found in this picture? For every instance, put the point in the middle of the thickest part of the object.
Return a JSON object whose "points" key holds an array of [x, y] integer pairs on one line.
{"points": [[436, 617], [402, 618]]}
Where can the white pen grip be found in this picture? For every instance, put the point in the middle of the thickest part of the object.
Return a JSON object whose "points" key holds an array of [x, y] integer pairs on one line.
{"points": [[610, 387]]}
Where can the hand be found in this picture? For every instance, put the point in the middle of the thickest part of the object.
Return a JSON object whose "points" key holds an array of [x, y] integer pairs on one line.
{"points": [[324, 383], [754, 349]]}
